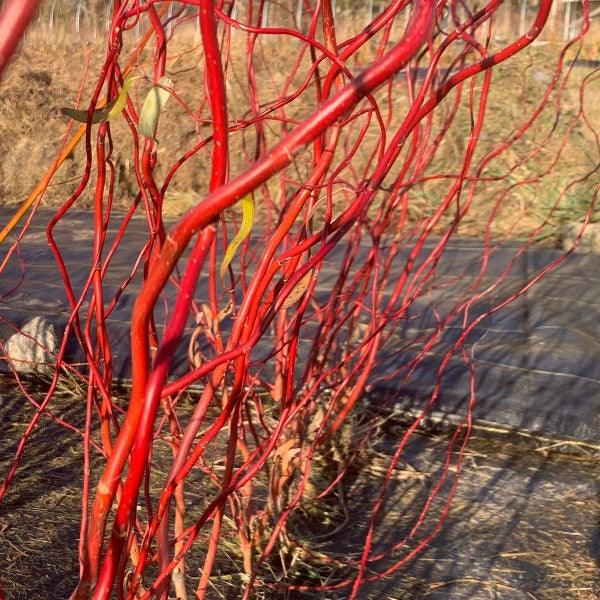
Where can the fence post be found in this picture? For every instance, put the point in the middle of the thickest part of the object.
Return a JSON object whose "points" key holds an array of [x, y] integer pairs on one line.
{"points": [[51, 17], [567, 28], [522, 22], [78, 10], [233, 15], [169, 22]]}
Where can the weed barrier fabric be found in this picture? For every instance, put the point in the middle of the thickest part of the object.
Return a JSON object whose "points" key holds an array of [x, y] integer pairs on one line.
{"points": [[537, 361]]}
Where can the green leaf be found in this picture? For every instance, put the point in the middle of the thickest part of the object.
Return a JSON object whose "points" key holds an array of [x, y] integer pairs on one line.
{"points": [[242, 234], [100, 115], [153, 104], [106, 113]]}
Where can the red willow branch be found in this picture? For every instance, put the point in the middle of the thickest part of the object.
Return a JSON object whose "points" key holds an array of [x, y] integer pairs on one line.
{"points": [[223, 197], [14, 19]]}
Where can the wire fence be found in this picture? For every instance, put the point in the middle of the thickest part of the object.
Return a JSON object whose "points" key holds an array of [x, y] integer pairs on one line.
{"points": [[87, 18]]}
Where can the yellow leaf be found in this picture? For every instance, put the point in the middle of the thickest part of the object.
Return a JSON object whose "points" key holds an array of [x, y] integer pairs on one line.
{"points": [[242, 234]]}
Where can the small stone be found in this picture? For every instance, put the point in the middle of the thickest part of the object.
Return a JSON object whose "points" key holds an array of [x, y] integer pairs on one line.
{"points": [[542, 77], [590, 241], [32, 349]]}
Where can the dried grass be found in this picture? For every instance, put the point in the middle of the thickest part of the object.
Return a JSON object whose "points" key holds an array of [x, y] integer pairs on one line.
{"points": [[44, 77]]}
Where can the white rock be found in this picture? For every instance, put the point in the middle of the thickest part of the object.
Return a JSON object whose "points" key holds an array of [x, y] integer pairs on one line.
{"points": [[32, 348], [590, 241]]}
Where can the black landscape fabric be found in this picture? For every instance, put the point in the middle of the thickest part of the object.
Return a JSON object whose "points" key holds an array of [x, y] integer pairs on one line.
{"points": [[537, 361]]}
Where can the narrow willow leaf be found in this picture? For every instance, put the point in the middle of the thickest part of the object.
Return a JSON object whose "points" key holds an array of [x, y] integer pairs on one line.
{"points": [[153, 105], [242, 234], [106, 113], [100, 115], [121, 101], [298, 290]]}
